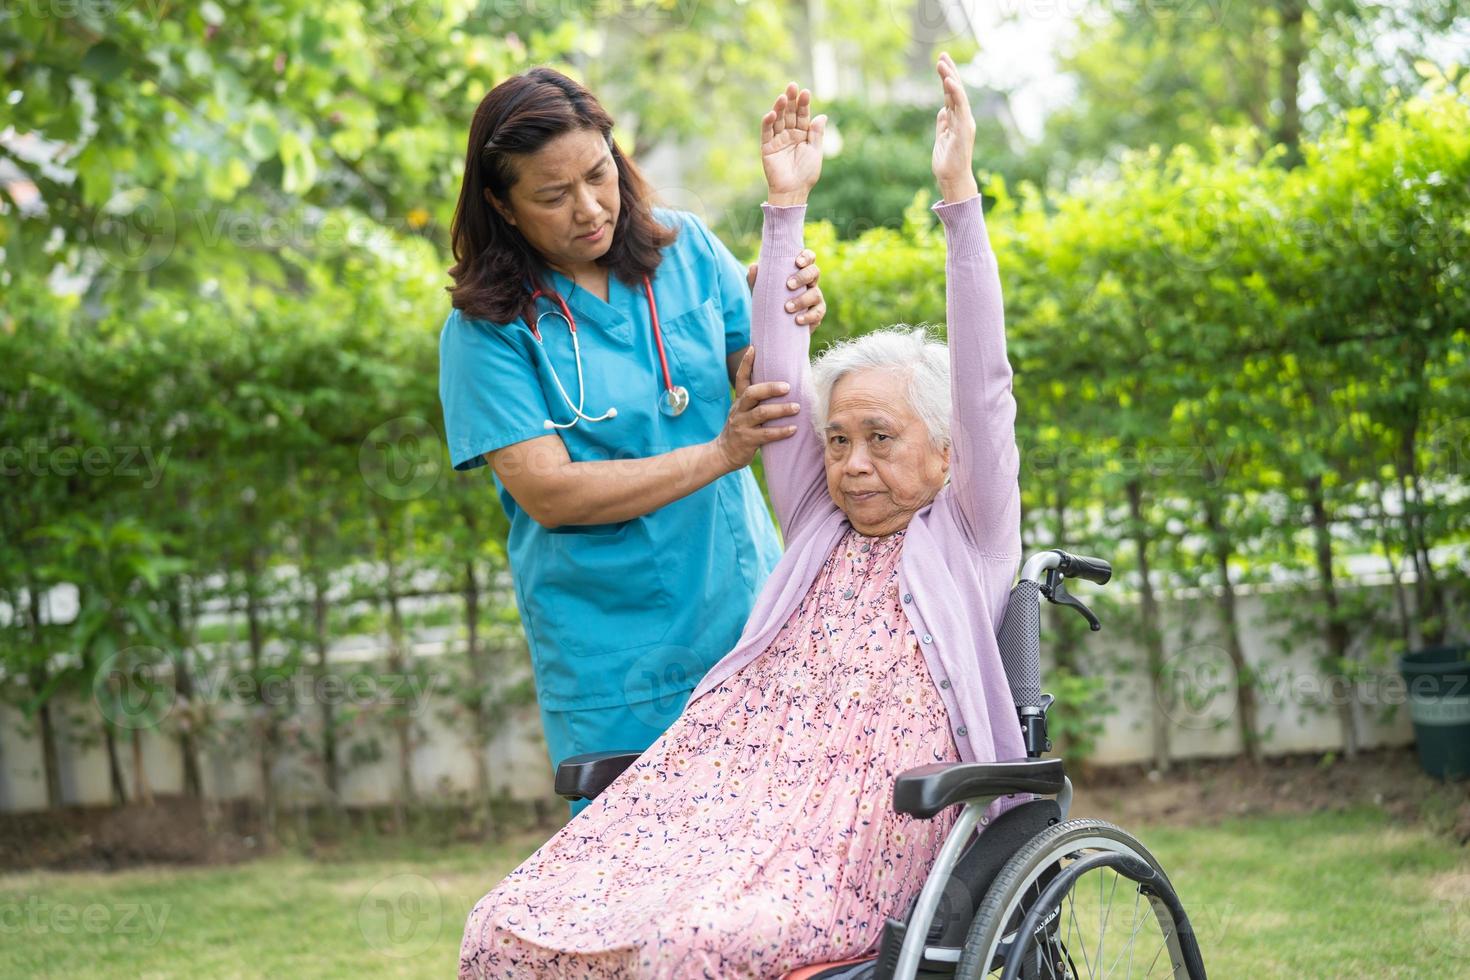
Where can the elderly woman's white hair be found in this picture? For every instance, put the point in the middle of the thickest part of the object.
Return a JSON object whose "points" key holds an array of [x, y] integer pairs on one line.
{"points": [[909, 351]]}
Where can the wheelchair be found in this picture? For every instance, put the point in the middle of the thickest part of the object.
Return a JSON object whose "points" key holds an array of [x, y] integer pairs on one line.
{"points": [[1031, 895]]}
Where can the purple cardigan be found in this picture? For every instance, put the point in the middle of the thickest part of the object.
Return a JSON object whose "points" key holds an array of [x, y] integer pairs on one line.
{"points": [[961, 553]]}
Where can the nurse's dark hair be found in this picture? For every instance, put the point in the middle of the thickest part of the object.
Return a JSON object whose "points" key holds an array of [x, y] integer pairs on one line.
{"points": [[492, 260]]}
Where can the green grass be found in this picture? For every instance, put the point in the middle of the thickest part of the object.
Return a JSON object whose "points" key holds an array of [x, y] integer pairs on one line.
{"points": [[1338, 894], [279, 916], [1330, 895]]}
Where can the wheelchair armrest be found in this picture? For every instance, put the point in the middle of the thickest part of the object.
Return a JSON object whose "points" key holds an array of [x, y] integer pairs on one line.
{"points": [[924, 791], [582, 777]]}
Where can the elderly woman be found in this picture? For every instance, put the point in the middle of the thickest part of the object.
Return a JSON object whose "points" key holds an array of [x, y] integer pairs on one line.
{"points": [[757, 835]]}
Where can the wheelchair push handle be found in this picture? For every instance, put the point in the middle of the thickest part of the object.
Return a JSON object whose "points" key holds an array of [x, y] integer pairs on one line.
{"points": [[1095, 570], [1045, 567], [1049, 569], [1043, 576]]}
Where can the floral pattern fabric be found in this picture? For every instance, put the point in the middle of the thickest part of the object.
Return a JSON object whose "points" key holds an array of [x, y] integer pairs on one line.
{"points": [[757, 834]]}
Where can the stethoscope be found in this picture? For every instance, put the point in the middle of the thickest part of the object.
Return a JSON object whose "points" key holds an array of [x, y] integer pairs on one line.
{"points": [[672, 402]]}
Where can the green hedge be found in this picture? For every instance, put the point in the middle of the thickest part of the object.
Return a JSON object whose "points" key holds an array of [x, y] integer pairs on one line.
{"points": [[1227, 370]]}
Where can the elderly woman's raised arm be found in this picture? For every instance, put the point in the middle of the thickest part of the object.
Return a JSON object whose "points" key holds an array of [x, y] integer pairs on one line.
{"points": [[985, 462], [791, 156], [793, 466]]}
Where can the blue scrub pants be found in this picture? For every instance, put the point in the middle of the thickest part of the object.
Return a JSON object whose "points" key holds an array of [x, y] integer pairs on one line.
{"points": [[633, 727]]}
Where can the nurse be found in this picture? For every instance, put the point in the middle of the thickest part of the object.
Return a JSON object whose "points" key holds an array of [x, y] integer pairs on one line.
{"points": [[588, 360]]}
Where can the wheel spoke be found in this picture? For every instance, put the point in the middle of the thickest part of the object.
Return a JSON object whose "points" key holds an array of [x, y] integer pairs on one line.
{"points": [[1133, 935], [1069, 931], [1056, 939], [1085, 959], [1156, 955], [1056, 945], [1099, 918], [1103, 929]]}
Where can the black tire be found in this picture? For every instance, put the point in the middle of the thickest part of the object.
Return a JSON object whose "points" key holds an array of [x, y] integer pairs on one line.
{"points": [[1033, 868]]}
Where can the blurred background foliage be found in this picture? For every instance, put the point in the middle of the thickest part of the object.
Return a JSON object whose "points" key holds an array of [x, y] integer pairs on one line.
{"points": [[1235, 266]]}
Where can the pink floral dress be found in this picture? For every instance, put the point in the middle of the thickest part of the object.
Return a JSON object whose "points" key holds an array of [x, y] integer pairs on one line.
{"points": [[756, 835]]}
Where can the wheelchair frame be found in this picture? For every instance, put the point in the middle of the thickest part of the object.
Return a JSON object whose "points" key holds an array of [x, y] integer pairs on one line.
{"points": [[964, 873]]}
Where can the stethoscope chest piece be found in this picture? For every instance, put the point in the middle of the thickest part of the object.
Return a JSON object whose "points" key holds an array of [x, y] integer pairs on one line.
{"points": [[674, 400]]}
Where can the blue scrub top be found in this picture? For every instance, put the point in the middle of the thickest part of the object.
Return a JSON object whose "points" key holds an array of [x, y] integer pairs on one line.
{"points": [[620, 613]]}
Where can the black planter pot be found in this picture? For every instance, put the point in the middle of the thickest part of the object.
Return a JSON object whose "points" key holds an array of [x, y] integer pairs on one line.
{"points": [[1438, 682]]}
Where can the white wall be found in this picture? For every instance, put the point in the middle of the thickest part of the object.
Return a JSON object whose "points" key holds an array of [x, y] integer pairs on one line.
{"points": [[1291, 698]]}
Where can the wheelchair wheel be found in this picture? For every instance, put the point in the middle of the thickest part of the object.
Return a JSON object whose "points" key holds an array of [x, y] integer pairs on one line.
{"points": [[1081, 899]]}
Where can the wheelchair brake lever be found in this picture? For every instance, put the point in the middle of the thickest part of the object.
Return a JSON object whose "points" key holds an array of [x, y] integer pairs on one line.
{"points": [[1055, 591]]}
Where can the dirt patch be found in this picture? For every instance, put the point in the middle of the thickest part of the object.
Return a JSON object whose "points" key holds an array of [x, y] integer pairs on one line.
{"points": [[1201, 792], [176, 830], [1450, 886]]}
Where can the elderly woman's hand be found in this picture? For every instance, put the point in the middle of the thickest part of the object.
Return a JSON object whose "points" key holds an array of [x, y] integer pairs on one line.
{"points": [[811, 306], [954, 137], [791, 147], [744, 432]]}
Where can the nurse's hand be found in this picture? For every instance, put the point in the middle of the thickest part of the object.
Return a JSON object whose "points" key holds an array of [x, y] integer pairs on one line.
{"points": [[755, 404], [812, 304]]}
